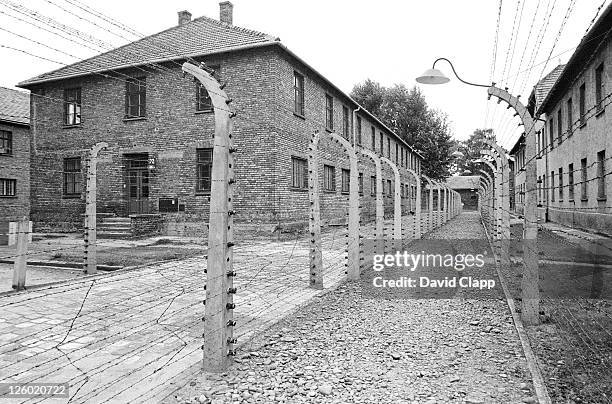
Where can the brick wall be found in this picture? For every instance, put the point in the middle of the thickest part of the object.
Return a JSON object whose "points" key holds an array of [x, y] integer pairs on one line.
{"points": [[16, 166]]}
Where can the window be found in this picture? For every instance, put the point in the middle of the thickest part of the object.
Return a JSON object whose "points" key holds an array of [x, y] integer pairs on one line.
{"points": [[329, 178], [346, 180], [560, 184], [388, 147], [360, 183], [570, 182], [551, 134], [389, 190], [582, 105], [72, 176], [599, 86], [329, 112], [396, 153], [552, 186], [559, 127], [72, 106], [204, 161], [583, 180], [373, 139], [8, 187], [382, 143], [203, 101], [372, 185], [6, 142], [136, 98], [359, 130], [299, 173], [298, 86], [570, 117], [345, 123], [601, 174]]}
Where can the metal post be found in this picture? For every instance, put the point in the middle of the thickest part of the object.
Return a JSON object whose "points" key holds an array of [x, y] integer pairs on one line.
{"points": [[218, 320], [90, 262], [19, 266]]}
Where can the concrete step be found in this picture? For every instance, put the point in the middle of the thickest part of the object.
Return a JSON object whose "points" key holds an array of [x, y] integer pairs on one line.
{"points": [[122, 235]]}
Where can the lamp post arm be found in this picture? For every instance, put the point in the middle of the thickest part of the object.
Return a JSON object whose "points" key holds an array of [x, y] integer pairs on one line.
{"points": [[456, 75]]}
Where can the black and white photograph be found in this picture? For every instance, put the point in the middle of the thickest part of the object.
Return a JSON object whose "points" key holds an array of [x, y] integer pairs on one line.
{"points": [[283, 201]]}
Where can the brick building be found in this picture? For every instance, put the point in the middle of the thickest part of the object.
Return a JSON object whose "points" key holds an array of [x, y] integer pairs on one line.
{"points": [[14, 156], [159, 127], [575, 170], [467, 187]]}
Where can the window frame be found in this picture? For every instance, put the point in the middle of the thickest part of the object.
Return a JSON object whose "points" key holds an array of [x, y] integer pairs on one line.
{"points": [[329, 178], [75, 101], [72, 177], [582, 104], [570, 182], [561, 184], [584, 173], [359, 128], [559, 127], [599, 87], [346, 181], [7, 184], [141, 93], [201, 163], [601, 175], [298, 94], [373, 138], [570, 117], [329, 112], [6, 142], [346, 132]]}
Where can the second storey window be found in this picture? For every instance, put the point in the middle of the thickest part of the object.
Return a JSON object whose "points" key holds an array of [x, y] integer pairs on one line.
{"points": [[6, 142], [72, 176], [329, 112], [345, 122], [551, 134], [204, 159], [135, 98], [389, 147], [582, 104], [359, 130], [570, 117], [329, 178], [373, 139], [299, 173], [72, 106], [599, 86], [559, 127], [346, 180], [8, 187], [298, 87]]}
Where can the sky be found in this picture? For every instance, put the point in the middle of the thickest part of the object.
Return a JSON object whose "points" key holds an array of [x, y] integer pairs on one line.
{"points": [[389, 41]]}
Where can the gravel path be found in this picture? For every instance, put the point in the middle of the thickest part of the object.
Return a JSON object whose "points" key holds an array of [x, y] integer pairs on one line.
{"points": [[347, 348]]}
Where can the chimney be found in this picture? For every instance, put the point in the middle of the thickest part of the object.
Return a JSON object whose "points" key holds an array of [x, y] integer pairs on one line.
{"points": [[226, 12], [184, 17]]}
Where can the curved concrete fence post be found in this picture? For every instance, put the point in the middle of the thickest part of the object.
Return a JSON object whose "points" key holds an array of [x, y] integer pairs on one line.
{"points": [[439, 205], [219, 323], [90, 264], [380, 208], [417, 207], [397, 200], [494, 199], [316, 253], [505, 200], [430, 213]]}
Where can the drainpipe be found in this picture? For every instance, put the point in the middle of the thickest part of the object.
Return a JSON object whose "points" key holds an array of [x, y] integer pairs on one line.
{"points": [[355, 125]]}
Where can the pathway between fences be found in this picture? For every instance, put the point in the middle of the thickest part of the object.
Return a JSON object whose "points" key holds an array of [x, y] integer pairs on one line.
{"points": [[124, 337]]}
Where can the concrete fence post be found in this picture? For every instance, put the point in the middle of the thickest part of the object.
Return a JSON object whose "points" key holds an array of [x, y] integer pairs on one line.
{"points": [[380, 208], [20, 263], [417, 207], [218, 347], [90, 262]]}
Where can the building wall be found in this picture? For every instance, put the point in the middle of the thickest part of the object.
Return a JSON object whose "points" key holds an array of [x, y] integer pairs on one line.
{"points": [[16, 166], [584, 141], [266, 134]]}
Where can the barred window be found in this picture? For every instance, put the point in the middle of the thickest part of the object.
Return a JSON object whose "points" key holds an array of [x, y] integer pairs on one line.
{"points": [[135, 97], [6, 142], [329, 112], [204, 162], [72, 106], [8, 187], [73, 178], [346, 180], [299, 173], [329, 178], [345, 123]]}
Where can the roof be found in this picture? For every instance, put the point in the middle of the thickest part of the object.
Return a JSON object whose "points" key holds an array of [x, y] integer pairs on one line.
{"points": [[463, 181], [14, 106], [199, 37], [581, 58]]}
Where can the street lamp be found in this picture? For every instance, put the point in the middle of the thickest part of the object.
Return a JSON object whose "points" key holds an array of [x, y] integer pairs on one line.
{"points": [[435, 76]]}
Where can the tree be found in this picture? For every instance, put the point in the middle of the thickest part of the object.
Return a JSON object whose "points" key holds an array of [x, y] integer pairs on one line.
{"points": [[470, 150], [406, 112]]}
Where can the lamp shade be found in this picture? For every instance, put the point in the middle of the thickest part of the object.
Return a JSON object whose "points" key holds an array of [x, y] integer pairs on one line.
{"points": [[432, 76]]}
